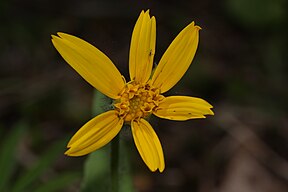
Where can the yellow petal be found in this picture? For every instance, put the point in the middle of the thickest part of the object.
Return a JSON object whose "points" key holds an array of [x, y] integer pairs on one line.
{"points": [[93, 65], [183, 108], [142, 48], [148, 145], [177, 58], [95, 134]]}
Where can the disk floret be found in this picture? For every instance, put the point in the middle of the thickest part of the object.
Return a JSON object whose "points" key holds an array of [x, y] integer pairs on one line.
{"points": [[137, 101]]}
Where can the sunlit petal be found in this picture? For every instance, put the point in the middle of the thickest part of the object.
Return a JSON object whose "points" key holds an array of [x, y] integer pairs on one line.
{"points": [[177, 58], [95, 134], [142, 48], [93, 65], [148, 145], [183, 108]]}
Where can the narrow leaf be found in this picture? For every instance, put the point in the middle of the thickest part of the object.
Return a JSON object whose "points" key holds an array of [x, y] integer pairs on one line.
{"points": [[40, 166], [60, 182], [7, 153]]}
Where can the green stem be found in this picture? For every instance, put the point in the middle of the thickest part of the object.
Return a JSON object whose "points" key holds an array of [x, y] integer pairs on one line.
{"points": [[115, 164]]}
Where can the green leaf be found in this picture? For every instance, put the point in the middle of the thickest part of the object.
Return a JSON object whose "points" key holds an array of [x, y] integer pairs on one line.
{"points": [[101, 103], [40, 166], [59, 182], [96, 171], [7, 154]]}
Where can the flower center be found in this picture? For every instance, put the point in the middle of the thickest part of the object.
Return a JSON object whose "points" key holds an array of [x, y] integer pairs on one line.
{"points": [[137, 101]]}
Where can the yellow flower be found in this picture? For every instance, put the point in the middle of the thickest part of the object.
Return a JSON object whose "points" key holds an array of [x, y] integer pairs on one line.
{"points": [[140, 97]]}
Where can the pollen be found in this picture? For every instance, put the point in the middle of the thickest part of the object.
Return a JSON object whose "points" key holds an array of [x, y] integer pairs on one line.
{"points": [[137, 101]]}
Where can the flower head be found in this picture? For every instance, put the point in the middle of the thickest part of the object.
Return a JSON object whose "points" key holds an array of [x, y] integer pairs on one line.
{"points": [[141, 96]]}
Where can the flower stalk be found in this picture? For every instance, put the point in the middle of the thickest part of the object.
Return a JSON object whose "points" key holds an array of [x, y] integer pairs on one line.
{"points": [[115, 164]]}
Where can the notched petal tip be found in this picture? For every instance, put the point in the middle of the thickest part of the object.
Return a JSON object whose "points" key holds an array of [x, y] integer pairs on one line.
{"points": [[156, 169], [60, 35], [192, 24], [55, 39], [71, 154], [67, 36], [198, 27], [53, 36], [68, 152], [209, 107], [210, 112]]}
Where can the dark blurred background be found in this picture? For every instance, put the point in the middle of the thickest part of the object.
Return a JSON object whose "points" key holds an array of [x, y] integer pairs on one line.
{"points": [[240, 68]]}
